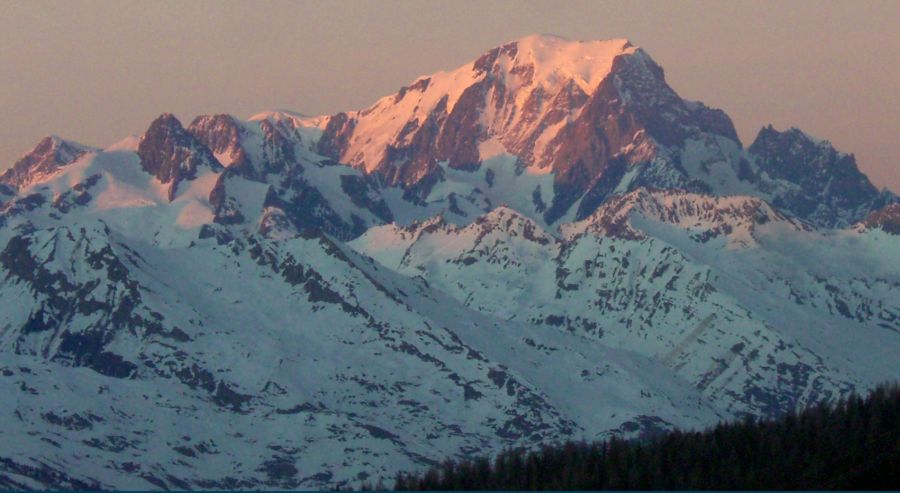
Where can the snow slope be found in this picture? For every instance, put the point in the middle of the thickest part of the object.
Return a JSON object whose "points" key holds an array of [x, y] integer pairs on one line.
{"points": [[546, 243]]}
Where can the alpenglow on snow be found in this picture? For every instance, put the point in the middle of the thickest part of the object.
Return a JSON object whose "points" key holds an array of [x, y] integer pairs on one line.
{"points": [[546, 243]]}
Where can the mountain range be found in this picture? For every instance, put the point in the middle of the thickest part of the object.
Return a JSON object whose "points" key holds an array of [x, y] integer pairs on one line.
{"points": [[547, 243]]}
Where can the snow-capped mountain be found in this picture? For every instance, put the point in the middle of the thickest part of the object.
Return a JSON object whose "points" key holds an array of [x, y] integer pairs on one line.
{"points": [[569, 124], [710, 286], [545, 243]]}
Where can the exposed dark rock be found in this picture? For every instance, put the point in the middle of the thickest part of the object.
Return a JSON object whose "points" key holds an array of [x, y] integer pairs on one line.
{"points": [[172, 155], [221, 134], [632, 108], [77, 196], [48, 156], [829, 188], [337, 133], [886, 218], [279, 469], [630, 105], [88, 350], [364, 194], [381, 433], [11, 472], [61, 298], [72, 421], [308, 209], [22, 204]]}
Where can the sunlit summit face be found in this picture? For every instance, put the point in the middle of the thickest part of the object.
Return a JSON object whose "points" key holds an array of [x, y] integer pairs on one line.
{"points": [[93, 72], [548, 243]]}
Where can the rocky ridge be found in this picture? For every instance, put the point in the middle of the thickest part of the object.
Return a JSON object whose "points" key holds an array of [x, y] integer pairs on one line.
{"points": [[545, 243]]}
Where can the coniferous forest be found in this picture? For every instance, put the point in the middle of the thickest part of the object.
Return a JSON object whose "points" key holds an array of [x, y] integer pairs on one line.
{"points": [[852, 444]]}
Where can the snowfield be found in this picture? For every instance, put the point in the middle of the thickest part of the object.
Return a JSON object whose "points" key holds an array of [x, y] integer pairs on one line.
{"points": [[544, 244]]}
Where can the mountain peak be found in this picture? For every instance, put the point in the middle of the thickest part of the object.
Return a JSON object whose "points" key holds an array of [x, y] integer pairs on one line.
{"points": [[556, 38], [793, 134], [822, 179], [549, 43], [293, 118], [532, 260], [171, 154], [706, 217], [51, 153], [555, 60], [166, 120]]}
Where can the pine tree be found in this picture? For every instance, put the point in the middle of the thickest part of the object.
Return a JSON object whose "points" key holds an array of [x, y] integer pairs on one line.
{"points": [[853, 444]]}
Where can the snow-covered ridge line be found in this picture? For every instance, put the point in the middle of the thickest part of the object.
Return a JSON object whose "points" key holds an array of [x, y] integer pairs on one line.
{"points": [[559, 248], [534, 130]]}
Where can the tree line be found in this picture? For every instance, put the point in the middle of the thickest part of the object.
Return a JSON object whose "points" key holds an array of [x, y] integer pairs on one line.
{"points": [[851, 444]]}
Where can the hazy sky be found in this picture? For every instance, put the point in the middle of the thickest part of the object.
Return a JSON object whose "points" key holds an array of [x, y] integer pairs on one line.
{"points": [[95, 71]]}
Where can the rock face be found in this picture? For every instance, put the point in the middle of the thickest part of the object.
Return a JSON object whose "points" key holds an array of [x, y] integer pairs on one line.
{"points": [[227, 138], [825, 186], [547, 243], [632, 113], [653, 272], [887, 219], [46, 158], [172, 155], [71, 323], [265, 155], [598, 117], [569, 108], [515, 97]]}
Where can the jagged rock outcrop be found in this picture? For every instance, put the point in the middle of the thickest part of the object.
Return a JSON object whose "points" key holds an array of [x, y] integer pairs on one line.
{"points": [[545, 244], [821, 184], [602, 109], [887, 219], [172, 155], [622, 125], [513, 96], [46, 158]]}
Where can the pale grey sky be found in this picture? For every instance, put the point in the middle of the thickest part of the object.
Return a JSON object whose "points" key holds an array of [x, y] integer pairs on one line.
{"points": [[97, 71]]}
